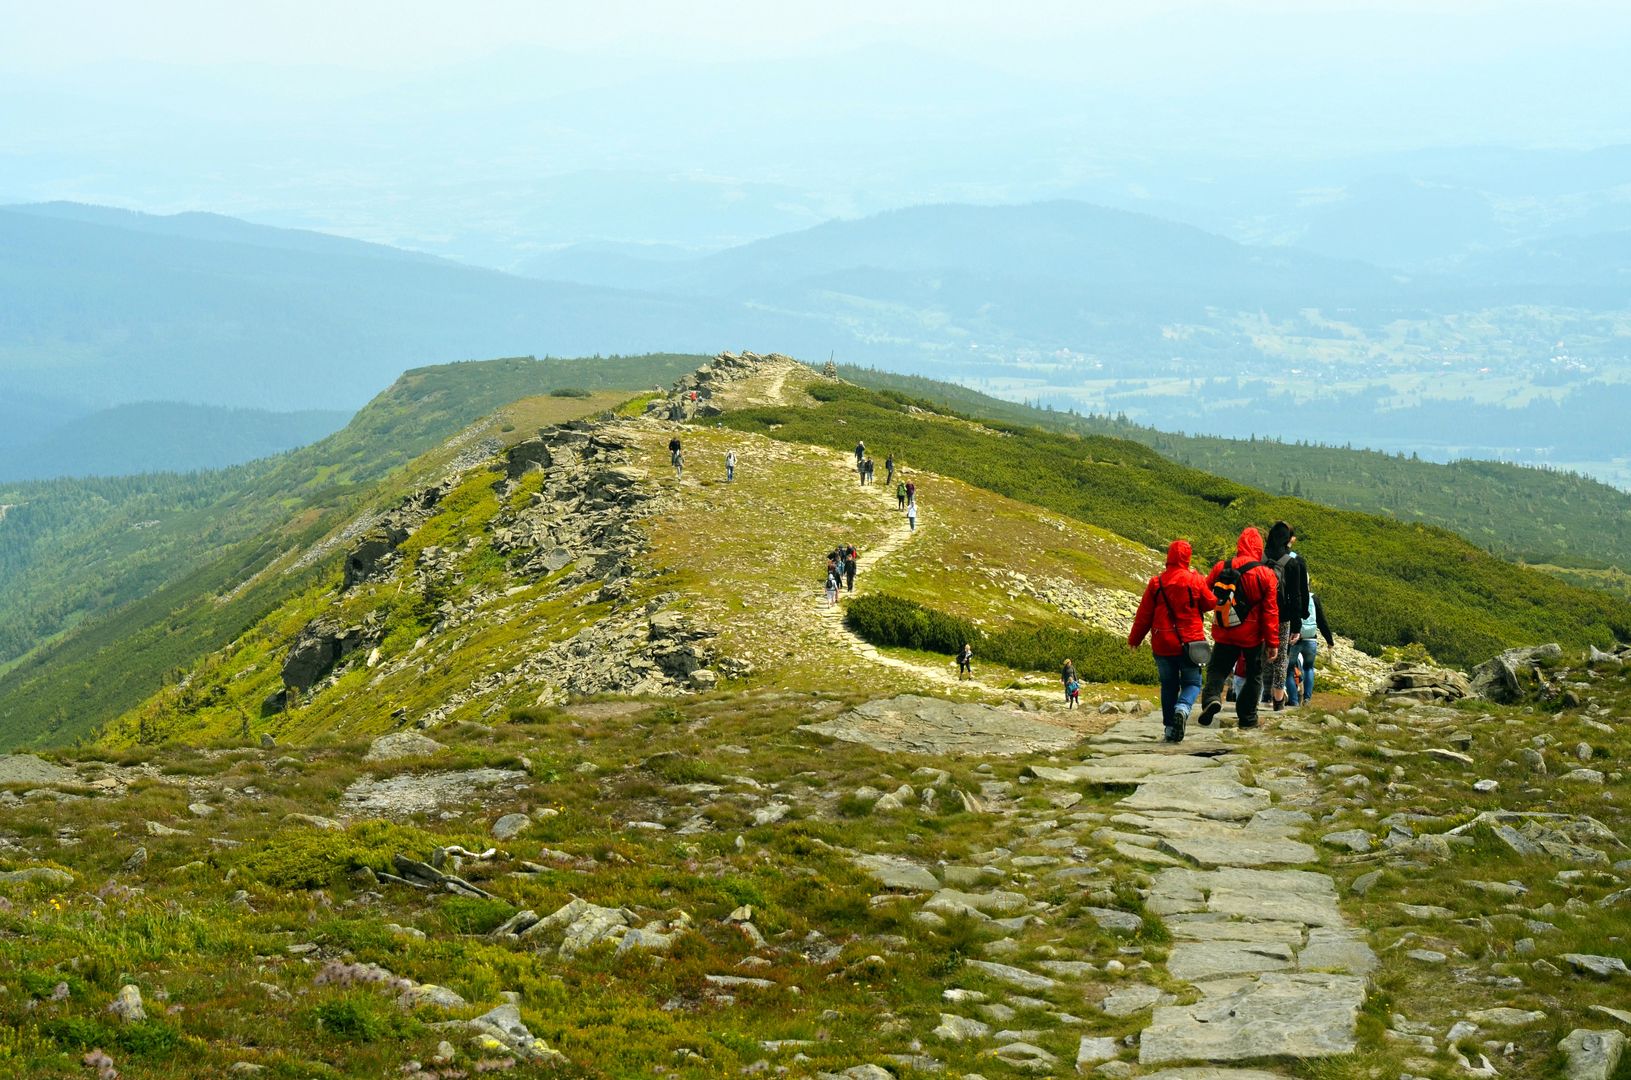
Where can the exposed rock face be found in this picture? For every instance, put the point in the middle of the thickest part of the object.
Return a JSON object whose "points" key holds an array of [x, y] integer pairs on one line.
{"points": [[374, 556], [320, 645], [692, 395], [1507, 677], [28, 769]]}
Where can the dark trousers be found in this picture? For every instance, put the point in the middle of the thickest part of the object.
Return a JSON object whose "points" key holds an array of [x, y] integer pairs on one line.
{"points": [[849, 576], [1222, 666]]}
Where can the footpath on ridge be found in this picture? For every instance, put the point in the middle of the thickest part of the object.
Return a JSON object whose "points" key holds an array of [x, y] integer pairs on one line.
{"points": [[1270, 967]]}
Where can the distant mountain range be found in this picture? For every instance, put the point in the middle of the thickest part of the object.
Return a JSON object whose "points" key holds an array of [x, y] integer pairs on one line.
{"points": [[103, 307]]}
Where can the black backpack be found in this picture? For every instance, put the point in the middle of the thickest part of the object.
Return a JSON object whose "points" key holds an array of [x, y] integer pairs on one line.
{"points": [[1228, 589]]}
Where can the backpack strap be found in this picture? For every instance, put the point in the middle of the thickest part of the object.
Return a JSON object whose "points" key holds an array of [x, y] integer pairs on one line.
{"points": [[1161, 591]]}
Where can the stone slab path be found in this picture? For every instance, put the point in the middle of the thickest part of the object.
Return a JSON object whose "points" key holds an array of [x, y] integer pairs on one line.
{"points": [[1262, 965]]}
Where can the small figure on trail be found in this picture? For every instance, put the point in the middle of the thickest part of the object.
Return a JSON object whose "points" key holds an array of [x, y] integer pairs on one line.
{"points": [[850, 557], [1172, 613], [1246, 623], [860, 453], [889, 470], [911, 516], [730, 465], [900, 495], [1073, 693], [832, 583], [866, 471], [676, 455], [1067, 675], [1304, 648], [965, 661], [911, 493]]}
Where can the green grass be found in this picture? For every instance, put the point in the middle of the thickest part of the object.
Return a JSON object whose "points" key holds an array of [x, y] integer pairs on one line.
{"points": [[1384, 583]]}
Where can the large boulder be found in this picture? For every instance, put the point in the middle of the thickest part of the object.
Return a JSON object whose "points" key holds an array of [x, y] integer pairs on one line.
{"points": [[320, 645], [1509, 676]]}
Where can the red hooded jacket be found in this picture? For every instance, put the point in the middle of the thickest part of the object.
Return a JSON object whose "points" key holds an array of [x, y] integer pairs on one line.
{"points": [[1189, 598], [1262, 625]]}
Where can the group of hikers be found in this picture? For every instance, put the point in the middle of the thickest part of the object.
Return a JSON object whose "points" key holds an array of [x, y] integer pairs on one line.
{"points": [[1265, 622], [905, 490]]}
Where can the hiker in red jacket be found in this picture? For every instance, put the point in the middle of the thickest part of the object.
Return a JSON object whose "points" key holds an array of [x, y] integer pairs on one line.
{"points": [[1173, 607], [1246, 621]]}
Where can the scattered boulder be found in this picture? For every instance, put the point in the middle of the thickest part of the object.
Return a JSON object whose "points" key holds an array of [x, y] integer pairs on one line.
{"points": [[1512, 674], [510, 826], [401, 745], [127, 1004], [1591, 1055], [501, 1030]]}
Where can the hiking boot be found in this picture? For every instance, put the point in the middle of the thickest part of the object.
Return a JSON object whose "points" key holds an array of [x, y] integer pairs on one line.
{"points": [[1175, 730], [1280, 705], [1208, 711], [1248, 725], [1174, 735]]}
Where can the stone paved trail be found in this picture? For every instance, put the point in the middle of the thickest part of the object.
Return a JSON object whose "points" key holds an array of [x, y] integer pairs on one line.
{"points": [[1267, 965]]}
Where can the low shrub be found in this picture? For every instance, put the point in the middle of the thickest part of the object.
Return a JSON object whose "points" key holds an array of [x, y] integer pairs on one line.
{"points": [[570, 391], [894, 621]]}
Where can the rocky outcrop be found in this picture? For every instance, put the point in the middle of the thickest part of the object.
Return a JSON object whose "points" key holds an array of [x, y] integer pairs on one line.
{"points": [[1420, 682], [323, 643], [693, 394], [374, 556], [1514, 673]]}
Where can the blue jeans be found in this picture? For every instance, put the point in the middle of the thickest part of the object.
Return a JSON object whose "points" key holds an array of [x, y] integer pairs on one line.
{"points": [[1303, 651], [1180, 686]]}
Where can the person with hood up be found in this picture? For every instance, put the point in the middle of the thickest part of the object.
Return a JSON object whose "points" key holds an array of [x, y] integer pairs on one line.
{"points": [[1172, 614], [1234, 634], [1291, 575]]}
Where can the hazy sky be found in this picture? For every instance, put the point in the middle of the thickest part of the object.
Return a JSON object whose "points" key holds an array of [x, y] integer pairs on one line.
{"points": [[400, 35]]}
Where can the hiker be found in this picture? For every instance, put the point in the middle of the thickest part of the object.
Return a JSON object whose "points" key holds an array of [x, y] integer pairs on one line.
{"points": [[832, 583], [889, 470], [850, 556], [1073, 693], [1305, 647], [1246, 622], [911, 516], [1171, 612], [911, 493], [730, 465], [1291, 594], [860, 452], [867, 472], [900, 495], [965, 661], [1067, 675], [674, 454]]}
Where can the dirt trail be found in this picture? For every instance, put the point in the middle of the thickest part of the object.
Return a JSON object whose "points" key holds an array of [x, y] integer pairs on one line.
{"points": [[832, 615]]}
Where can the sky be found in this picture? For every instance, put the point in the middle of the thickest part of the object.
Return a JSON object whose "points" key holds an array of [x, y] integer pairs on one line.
{"points": [[407, 35]]}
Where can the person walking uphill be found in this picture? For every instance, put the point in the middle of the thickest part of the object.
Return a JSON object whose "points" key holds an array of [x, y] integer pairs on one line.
{"points": [[676, 455], [1246, 622], [1172, 612], [1305, 648], [1291, 575]]}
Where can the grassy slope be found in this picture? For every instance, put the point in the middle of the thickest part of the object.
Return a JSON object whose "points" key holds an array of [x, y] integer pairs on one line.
{"points": [[746, 557], [173, 928], [1385, 583], [1533, 515], [192, 582]]}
